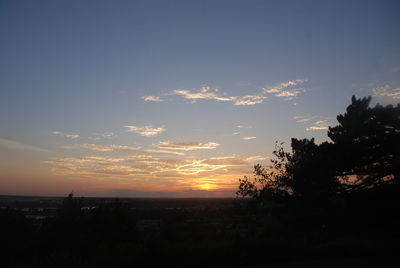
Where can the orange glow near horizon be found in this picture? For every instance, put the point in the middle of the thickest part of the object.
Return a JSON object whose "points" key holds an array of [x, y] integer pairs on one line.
{"points": [[206, 186]]}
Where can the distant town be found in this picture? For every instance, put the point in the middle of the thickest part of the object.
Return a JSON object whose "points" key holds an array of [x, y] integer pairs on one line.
{"points": [[151, 214]]}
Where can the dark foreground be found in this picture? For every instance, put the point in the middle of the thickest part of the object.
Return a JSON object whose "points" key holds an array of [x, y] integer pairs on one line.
{"points": [[96, 232]]}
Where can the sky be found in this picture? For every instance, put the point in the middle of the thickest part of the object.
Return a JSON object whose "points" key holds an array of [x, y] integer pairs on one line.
{"points": [[178, 98]]}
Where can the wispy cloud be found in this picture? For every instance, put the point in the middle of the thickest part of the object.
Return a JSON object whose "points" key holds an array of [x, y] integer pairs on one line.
{"points": [[242, 126], [15, 145], [386, 91], [205, 93], [249, 138], [161, 152], [208, 93], [101, 148], [279, 87], [249, 100], [303, 118], [231, 160], [319, 125], [158, 173], [284, 90], [215, 164], [146, 131], [186, 145], [71, 136], [120, 148], [152, 98], [289, 95], [209, 170], [314, 122]]}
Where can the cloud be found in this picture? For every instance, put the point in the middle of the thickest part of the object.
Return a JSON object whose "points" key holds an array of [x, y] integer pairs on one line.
{"points": [[248, 138], [319, 125], [91, 165], [386, 91], [146, 131], [118, 170], [303, 118], [141, 157], [209, 93], [186, 145], [101, 148], [15, 145], [152, 98], [271, 91], [163, 152], [119, 148], [249, 100], [205, 93], [198, 166], [151, 172], [278, 90], [231, 160], [71, 136], [289, 95], [241, 126], [319, 122]]}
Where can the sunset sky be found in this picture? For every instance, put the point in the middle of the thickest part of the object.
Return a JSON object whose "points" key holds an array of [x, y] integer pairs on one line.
{"points": [[178, 98]]}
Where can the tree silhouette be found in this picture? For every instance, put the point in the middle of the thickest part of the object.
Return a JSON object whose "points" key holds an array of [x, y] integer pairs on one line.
{"points": [[368, 142], [365, 153], [306, 172], [268, 183], [311, 169]]}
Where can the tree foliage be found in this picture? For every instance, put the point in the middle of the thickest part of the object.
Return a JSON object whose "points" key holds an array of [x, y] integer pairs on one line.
{"points": [[364, 153], [269, 182], [368, 143]]}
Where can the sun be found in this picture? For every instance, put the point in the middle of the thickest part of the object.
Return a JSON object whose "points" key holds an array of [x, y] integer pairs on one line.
{"points": [[206, 186]]}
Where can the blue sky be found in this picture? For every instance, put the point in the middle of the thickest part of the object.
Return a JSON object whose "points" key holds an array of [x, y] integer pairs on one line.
{"points": [[92, 91]]}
